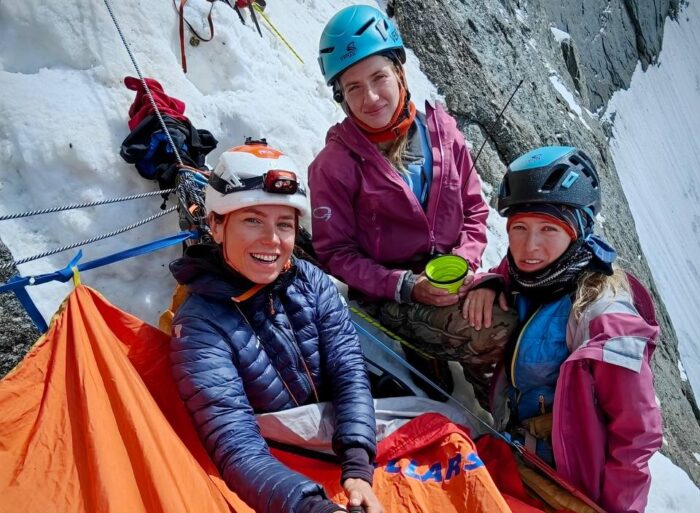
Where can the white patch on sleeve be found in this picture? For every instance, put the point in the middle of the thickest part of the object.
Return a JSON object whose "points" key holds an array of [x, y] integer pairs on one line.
{"points": [[625, 351]]}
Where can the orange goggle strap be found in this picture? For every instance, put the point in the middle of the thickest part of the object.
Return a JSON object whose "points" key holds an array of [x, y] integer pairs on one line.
{"points": [[570, 230]]}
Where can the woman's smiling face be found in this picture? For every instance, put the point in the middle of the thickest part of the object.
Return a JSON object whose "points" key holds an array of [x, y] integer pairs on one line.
{"points": [[535, 242], [257, 241], [371, 90]]}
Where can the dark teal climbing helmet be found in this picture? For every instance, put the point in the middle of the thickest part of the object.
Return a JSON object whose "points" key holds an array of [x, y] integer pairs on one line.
{"points": [[560, 175], [355, 33]]}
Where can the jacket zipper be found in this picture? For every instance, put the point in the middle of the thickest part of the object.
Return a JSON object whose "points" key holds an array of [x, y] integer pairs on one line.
{"points": [[442, 177], [257, 338], [296, 349], [517, 348], [303, 362], [393, 175]]}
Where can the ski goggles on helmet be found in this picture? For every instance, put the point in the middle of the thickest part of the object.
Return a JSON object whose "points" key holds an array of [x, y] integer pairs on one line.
{"points": [[275, 181]]}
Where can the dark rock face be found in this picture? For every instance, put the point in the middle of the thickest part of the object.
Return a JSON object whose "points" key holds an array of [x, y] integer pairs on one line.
{"points": [[477, 51], [611, 38], [17, 332]]}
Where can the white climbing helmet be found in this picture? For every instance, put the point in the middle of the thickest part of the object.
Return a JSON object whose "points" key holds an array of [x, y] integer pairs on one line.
{"points": [[254, 174]]}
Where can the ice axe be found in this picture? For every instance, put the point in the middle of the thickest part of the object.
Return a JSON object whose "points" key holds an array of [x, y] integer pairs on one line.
{"points": [[242, 4]]}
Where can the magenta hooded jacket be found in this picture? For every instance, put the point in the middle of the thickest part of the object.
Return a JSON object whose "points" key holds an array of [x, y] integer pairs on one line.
{"points": [[606, 424], [368, 226]]}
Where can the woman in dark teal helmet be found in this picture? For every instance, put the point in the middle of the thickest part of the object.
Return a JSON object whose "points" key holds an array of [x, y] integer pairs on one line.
{"points": [[576, 384], [392, 188]]}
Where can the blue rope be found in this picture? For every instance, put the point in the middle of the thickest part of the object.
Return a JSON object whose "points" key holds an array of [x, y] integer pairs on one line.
{"points": [[17, 284]]}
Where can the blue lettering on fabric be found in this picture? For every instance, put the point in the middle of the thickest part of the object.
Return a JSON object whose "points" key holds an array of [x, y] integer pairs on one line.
{"points": [[392, 467], [473, 462], [436, 472], [453, 466], [411, 470]]}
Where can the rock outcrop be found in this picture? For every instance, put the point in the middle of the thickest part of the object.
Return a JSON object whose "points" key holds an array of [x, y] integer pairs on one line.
{"points": [[17, 332]]}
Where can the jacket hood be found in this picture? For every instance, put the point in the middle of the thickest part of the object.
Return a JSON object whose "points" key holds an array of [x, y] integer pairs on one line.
{"points": [[204, 271]]}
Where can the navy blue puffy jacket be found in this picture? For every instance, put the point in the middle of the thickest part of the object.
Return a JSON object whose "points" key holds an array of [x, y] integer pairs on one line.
{"points": [[296, 345]]}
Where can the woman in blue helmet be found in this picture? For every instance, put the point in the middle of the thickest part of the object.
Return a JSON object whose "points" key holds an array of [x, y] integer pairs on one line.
{"points": [[576, 383], [392, 188]]}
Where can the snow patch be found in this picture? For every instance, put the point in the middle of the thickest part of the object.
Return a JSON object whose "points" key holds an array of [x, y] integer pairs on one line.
{"points": [[568, 96], [521, 11], [64, 114], [559, 35], [671, 488]]}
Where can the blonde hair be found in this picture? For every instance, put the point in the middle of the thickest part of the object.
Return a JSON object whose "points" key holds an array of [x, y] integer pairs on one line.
{"points": [[395, 152], [592, 284]]}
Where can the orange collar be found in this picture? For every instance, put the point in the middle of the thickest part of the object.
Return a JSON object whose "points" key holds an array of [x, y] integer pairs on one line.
{"points": [[258, 286]]}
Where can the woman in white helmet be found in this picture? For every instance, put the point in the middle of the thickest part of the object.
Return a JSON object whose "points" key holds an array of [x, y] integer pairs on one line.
{"points": [[262, 331]]}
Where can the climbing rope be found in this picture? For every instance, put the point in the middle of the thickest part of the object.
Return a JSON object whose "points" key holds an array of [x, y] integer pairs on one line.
{"points": [[275, 31], [84, 205], [145, 85], [493, 125], [190, 196], [401, 361], [88, 241]]}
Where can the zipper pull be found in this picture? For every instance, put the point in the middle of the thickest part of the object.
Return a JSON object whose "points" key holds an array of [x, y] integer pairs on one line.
{"points": [[432, 242], [543, 410], [270, 304]]}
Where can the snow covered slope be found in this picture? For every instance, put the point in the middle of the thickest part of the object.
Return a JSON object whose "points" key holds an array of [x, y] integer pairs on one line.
{"points": [[656, 147], [63, 115]]}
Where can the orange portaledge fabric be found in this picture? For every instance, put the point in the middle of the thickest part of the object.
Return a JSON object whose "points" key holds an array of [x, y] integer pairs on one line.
{"points": [[90, 421]]}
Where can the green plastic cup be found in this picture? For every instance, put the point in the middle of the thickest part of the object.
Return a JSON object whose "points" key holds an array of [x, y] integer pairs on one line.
{"points": [[447, 272]]}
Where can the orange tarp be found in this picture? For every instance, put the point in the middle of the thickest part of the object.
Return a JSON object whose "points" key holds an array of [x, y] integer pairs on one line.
{"points": [[81, 432], [90, 421]]}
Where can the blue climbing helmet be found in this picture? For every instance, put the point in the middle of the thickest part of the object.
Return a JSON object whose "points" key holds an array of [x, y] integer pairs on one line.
{"points": [[355, 33], [561, 175]]}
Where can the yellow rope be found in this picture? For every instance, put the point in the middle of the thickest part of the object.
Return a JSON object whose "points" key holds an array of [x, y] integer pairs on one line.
{"points": [[76, 276], [388, 332], [276, 32]]}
